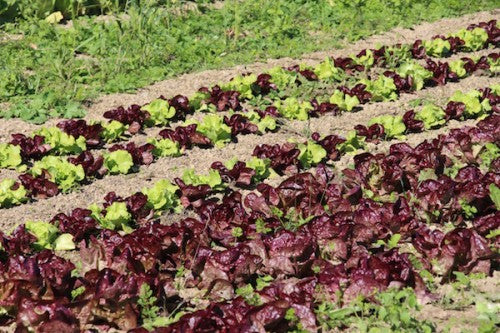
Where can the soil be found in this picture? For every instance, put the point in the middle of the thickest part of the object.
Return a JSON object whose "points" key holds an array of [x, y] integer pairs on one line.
{"points": [[465, 319]]}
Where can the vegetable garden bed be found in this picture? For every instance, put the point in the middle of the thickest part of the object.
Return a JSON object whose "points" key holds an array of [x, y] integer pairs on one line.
{"points": [[322, 233]]}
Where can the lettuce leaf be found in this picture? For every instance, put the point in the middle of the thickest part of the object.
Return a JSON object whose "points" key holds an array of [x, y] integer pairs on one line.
{"points": [[61, 142], [160, 111], [65, 174], [9, 196], [431, 115], [118, 161], [161, 196], [393, 125], [10, 155]]}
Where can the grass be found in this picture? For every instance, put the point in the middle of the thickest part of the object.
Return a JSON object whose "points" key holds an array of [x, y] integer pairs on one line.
{"points": [[55, 69]]}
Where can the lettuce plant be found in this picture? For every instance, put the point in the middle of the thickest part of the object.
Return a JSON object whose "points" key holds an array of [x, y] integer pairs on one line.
{"points": [[396, 55], [241, 84], [261, 166], [495, 88], [112, 131], [198, 100], [494, 63], [437, 47], [367, 60], [165, 147], [214, 128], [11, 193], [352, 143], [291, 108], [263, 123], [431, 115], [474, 108], [65, 174], [382, 89], [458, 67], [344, 101], [160, 112], [393, 125], [474, 39], [488, 154], [116, 216], [311, 154], [213, 179], [161, 196], [118, 161], [417, 72], [282, 78], [48, 237], [326, 70], [61, 142], [10, 155], [495, 195]]}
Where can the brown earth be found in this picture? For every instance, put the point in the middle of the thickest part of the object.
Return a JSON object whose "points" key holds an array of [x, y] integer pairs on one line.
{"points": [[464, 319]]}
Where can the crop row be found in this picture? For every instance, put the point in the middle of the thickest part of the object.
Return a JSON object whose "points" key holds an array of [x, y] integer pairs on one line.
{"points": [[53, 174], [278, 258], [268, 89]]}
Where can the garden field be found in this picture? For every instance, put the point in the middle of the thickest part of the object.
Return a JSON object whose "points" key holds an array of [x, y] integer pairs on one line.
{"points": [[308, 178]]}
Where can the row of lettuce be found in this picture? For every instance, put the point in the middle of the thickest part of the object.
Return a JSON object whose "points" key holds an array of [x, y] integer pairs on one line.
{"points": [[279, 258], [409, 76], [289, 158], [54, 174]]}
